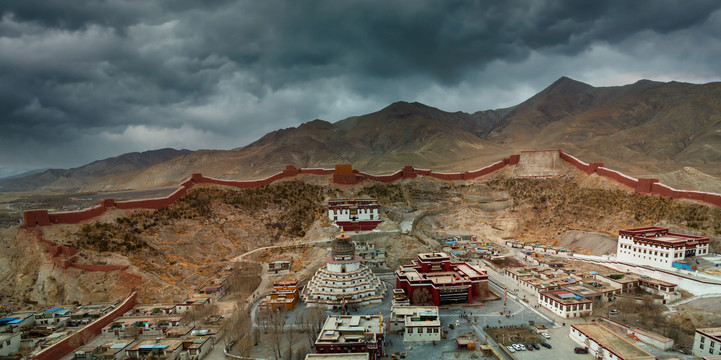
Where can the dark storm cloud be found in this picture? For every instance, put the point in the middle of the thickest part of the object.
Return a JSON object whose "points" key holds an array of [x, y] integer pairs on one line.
{"points": [[86, 79]]}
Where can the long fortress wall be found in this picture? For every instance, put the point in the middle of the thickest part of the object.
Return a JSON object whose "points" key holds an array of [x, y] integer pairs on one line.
{"points": [[643, 186], [344, 174]]}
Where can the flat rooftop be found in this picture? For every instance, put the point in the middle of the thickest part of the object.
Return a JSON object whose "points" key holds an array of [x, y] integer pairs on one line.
{"points": [[661, 235], [565, 297], [356, 356], [614, 343], [713, 333], [149, 344], [340, 329], [411, 310], [433, 256]]}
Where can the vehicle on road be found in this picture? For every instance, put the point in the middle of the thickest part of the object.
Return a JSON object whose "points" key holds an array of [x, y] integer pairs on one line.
{"points": [[580, 350], [535, 346], [545, 335], [613, 312], [529, 347], [510, 348], [519, 347], [546, 345]]}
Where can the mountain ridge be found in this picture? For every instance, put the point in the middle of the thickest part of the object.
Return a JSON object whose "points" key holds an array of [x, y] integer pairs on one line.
{"points": [[642, 128]]}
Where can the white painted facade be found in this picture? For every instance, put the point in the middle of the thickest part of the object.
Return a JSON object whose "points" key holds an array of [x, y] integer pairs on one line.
{"points": [[353, 210], [707, 342], [9, 343], [417, 323], [661, 253], [565, 309], [343, 267]]}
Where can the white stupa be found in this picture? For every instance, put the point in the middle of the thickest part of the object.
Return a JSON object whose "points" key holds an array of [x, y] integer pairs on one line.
{"points": [[344, 280]]}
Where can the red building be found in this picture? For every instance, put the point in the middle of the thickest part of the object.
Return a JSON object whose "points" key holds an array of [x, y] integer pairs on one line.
{"points": [[434, 277]]}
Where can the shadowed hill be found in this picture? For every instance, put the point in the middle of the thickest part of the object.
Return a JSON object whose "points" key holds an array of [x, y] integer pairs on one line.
{"points": [[77, 178], [644, 128]]}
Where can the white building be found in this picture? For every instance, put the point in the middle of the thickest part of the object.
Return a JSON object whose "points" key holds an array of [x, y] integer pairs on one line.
{"points": [[418, 323], [565, 304], [354, 214], [603, 343], [344, 280], [707, 342], [9, 343], [655, 246]]}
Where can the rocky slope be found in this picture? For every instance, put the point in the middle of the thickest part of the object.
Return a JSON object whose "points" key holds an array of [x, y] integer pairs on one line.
{"points": [[70, 180]]}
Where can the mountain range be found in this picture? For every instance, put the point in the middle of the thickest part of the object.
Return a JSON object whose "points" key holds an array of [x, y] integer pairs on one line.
{"points": [[669, 130]]}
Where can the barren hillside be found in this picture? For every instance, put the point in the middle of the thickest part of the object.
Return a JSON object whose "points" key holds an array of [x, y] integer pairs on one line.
{"points": [[174, 250]]}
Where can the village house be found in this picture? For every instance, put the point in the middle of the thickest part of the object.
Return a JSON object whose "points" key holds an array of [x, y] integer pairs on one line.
{"points": [[165, 349], [565, 304], [417, 323], [283, 297], [352, 334]]}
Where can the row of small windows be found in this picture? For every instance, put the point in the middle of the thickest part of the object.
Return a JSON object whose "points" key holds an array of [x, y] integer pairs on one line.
{"points": [[420, 330], [360, 211]]}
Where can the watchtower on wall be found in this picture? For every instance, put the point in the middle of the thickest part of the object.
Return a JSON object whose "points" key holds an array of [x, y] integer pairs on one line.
{"points": [[343, 174], [539, 163]]}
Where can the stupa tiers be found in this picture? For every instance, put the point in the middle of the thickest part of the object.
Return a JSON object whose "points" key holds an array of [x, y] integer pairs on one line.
{"points": [[344, 280]]}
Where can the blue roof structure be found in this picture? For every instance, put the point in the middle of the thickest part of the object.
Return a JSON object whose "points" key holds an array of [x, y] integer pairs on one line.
{"points": [[52, 310], [63, 312], [152, 346], [7, 320]]}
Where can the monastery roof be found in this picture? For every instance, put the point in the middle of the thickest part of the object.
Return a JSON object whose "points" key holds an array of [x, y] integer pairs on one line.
{"points": [[614, 343], [350, 329], [661, 235], [713, 333], [565, 297], [433, 256], [350, 356], [166, 344]]}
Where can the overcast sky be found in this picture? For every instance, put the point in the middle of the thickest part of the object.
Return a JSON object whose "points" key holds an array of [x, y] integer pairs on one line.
{"points": [[82, 80]]}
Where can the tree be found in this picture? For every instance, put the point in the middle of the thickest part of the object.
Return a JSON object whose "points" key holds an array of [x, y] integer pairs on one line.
{"points": [[275, 331]]}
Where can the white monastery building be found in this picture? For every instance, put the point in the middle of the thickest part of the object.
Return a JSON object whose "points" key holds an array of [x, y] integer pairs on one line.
{"points": [[707, 342], [655, 246], [354, 214]]}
